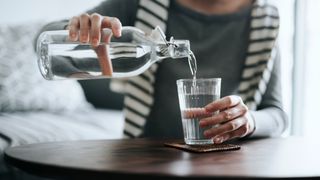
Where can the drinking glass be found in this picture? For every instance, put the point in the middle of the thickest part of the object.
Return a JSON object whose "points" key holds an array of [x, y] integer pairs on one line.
{"points": [[194, 95]]}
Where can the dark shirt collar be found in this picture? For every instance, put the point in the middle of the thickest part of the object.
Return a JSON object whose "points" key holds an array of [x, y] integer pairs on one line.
{"points": [[243, 13]]}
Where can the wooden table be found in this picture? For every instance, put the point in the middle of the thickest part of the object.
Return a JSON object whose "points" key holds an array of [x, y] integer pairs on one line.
{"points": [[150, 159]]}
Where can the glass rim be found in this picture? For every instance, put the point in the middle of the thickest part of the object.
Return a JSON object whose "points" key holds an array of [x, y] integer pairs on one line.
{"points": [[199, 80]]}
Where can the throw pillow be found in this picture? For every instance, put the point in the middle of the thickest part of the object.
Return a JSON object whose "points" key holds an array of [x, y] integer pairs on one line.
{"points": [[22, 87]]}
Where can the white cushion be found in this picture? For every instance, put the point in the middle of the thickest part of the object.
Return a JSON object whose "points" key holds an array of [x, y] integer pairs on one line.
{"points": [[22, 88], [21, 128], [35, 127]]}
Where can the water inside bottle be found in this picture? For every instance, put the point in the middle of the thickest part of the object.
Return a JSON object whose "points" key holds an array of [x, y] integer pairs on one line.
{"points": [[82, 61], [115, 60]]}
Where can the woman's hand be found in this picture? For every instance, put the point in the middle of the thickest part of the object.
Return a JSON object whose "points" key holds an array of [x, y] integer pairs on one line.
{"points": [[88, 29], [233, 119]]}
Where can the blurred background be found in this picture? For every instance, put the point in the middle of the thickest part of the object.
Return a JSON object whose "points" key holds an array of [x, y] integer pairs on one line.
{"points": [[299, 42]]}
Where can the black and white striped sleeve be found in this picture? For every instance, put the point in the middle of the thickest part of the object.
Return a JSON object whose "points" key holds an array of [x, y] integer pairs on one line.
{"points": [[270, 118]]}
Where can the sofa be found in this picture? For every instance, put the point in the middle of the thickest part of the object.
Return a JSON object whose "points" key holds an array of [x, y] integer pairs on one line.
{"points": [[34, 110]]}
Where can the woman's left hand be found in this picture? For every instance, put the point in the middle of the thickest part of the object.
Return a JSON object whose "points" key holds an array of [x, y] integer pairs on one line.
{"points": [[233, 119]]}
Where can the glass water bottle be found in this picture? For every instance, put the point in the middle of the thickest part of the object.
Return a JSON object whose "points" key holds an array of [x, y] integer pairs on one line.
{"points": [[130, 55]]}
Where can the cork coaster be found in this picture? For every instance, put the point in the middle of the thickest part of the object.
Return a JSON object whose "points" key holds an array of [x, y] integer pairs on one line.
{"points": [[203, 148]]}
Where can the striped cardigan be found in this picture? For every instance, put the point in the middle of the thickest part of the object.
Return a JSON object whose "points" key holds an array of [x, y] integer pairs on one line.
{"points": [[259, 61]]}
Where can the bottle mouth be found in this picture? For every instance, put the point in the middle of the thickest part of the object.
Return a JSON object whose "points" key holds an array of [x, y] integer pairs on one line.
{"points": [[179, 48]]}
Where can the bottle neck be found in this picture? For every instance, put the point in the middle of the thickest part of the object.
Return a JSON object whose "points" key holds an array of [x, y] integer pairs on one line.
{"points": [[175, 50], [179, 48]]}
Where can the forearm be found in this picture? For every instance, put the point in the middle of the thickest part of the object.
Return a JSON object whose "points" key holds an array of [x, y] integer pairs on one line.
{"points": [[269, 122]]}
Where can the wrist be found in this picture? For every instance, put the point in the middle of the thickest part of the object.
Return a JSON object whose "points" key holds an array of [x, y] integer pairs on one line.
{"points": [[252, 124]]}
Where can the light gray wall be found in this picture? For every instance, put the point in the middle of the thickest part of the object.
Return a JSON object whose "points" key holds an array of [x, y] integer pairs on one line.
{"points": [[21, 11]]}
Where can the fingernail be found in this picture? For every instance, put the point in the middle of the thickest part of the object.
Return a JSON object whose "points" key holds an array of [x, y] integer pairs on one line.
{"points": [[119, 33], [73, 37], [95, 42], [84, 38], [229, 115], [218, 140]]}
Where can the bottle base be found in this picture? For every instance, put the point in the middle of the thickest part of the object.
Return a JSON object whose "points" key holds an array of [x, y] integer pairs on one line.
{"points": [[198, 141]]}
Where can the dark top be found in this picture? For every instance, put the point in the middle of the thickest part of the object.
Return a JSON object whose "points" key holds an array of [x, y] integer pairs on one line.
{"points": [[219, 43]]}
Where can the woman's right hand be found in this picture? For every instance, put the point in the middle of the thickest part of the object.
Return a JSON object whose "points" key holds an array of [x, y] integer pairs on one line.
{"points": [[87, 28]]}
